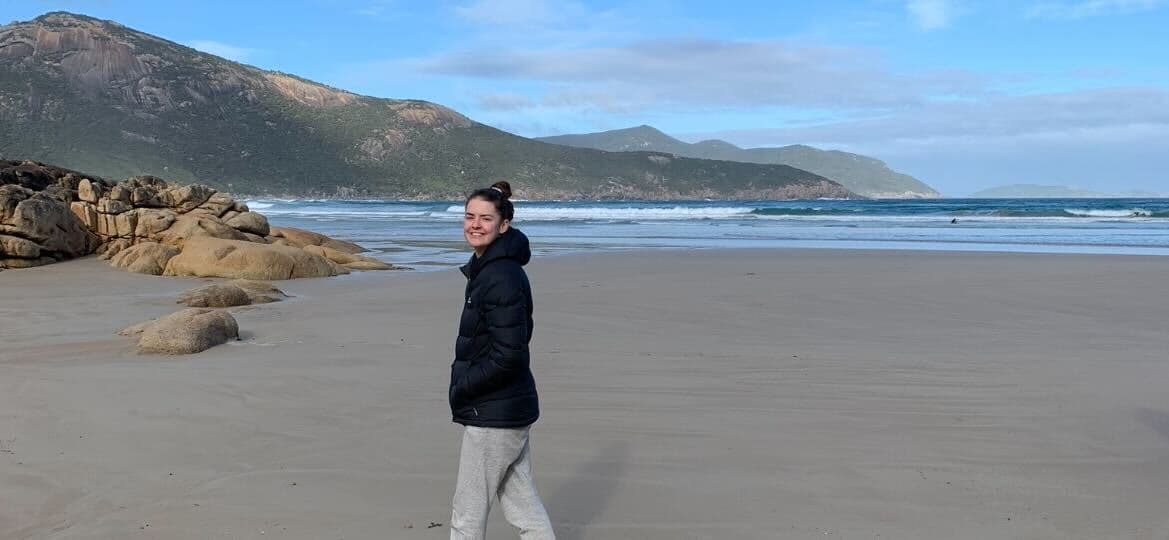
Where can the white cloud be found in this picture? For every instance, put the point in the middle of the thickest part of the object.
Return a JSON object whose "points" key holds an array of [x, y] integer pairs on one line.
{"points": [[1090, 8], [931, 14], [704, 73], [1000, 116], [230, 52], [376, 8], [541, 22], [950, 128], [506, 101], [1095, 138], [513, 12]]}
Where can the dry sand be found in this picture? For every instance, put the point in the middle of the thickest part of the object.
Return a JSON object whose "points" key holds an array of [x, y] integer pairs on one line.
{"points": [[716, 394]]}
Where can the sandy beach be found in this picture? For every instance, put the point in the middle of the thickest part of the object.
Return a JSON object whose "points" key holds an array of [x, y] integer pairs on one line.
{"points": [[705, 394]]}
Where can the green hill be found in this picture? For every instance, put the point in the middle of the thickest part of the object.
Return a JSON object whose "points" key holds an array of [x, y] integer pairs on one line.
{"points": [[97, 96], [864, 175]]}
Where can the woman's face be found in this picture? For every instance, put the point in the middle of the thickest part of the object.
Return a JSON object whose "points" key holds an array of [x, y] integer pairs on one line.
{"points": [[482, 224]]}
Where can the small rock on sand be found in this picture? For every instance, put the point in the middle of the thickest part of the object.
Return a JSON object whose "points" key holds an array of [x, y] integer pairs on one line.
{"points": [[216, 295], [188, 331]]}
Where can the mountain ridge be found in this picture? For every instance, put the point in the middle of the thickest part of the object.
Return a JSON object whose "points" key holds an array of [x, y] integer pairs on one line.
{"points": [[98, 96], [864, 175]]}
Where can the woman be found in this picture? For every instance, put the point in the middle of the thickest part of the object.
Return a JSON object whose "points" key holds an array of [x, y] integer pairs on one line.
{"points": [[492, 392]]}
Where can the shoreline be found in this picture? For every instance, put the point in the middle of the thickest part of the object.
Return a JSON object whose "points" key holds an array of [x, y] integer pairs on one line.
{"points": [[686, 394], [644, 250], [429, 231]]}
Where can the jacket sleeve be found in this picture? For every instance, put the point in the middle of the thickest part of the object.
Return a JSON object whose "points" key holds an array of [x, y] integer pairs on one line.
{"points": [[506, 321]]}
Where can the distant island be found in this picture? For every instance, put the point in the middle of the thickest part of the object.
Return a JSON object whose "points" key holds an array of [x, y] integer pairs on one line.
{"points": [[1036, 191], [861, 174], [94, 95]]}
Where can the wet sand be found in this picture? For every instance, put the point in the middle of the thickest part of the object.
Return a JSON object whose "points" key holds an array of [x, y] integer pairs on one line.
{"points": [[703, 394]]}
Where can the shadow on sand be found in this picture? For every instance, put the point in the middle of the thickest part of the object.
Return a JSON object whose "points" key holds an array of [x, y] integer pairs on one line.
{"points": [[586, 492], [1156, 420]]}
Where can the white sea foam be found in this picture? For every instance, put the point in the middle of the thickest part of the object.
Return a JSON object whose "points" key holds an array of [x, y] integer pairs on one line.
{"points": [[608, 213], [315, 212], [1128, 212], [1089, 226], [622, 213]]}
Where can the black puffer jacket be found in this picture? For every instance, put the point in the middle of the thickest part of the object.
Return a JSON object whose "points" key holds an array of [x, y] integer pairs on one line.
{"points": [[491, 382]]}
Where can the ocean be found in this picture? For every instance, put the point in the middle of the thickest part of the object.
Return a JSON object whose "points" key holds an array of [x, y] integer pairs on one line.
{"points": [[428, 235]]}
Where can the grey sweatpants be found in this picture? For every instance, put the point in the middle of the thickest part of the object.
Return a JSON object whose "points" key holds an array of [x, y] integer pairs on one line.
{"points": [[496, 462]]}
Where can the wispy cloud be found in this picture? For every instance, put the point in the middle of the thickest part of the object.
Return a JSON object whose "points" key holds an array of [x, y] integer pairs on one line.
{"points": [[702, 72], [230, 52], [1091, 8], [513, 13], [376, 8], [504, 102], [1091, 137], [999, 116], [536, 67], [931, 14], [563, 22]]}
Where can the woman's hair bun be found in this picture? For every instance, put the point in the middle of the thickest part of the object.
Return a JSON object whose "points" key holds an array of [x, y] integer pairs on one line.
{"points": [[503, 187], [499, 194]]}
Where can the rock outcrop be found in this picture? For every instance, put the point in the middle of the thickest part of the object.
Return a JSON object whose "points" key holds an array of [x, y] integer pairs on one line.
{"points": [[214, 257], [145, 258], [301, 238], [36, 226], [147, 225], [351, 261]]}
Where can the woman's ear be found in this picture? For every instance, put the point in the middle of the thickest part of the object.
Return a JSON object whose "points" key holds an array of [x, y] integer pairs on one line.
{"points": [[504, 226]]}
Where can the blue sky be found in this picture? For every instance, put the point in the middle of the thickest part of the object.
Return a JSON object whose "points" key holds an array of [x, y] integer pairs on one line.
{"points": [[962, 94]]}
